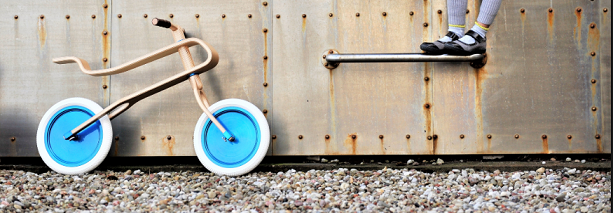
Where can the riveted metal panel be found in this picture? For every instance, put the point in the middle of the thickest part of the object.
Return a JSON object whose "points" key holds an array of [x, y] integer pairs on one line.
{"points": [[604, 24], [241, 72], [536, 84], [34, 32], [362, 100]]}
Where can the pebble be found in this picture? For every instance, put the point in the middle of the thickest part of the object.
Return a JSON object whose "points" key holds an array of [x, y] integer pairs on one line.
{"points": [[410, 161], [582, 161], [440, 161], [337, 190], [569, 159], [323, 160]]}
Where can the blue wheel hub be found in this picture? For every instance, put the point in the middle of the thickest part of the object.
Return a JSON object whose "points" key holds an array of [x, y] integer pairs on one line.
{"points": [[76, 152], [231, 154]]}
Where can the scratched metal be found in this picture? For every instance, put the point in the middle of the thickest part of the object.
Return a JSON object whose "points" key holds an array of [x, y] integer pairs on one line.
{"points": [[241, 72], [365, 100], [29, 82], [537, 82]]}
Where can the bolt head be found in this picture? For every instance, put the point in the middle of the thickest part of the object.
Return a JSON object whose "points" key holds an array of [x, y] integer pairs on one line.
{"points": [[42, 16], [439, 12], [593, 53], [16, 16], [569, 136], [592, 25], [13, 139], [249, 16], [265, 84], [67, 16], [426, 24], [300, 136], [597, 136], [467, 11], [489, 136], [145, 16], [265, 111], [105, 32], [105, 86], [303, 15], [169, 137], [327, 136], [408, 136], [427, 79], [594, 109], [522, 10], [93, 16], [223, 15], [274, 136], [429, 138], [594, 81], [278, 16], [265, 57], [435, 137], [330, 51], [265, 30], [105, 5], [265, 3], [143, 137], [116, 138], [331, 14], [411, 13], [357, 14], [384, 13], [354, 136], [462, 136], [427, 106], [551, 10], [380, 136], [517, 136], [544, 136], [197, 15], [119, 16], [105, 59], [579, 9], [605, 10]]}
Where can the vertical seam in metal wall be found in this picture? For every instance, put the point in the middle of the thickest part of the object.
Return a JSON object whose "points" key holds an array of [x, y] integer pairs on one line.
{"points": [[110, 46]]}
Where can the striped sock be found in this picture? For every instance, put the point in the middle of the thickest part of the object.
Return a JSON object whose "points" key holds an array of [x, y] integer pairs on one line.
{"points": [[479, 30], [458, 30]]}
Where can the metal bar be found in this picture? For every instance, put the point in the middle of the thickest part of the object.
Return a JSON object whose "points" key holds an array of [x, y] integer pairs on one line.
{"points": [[399, 57]]}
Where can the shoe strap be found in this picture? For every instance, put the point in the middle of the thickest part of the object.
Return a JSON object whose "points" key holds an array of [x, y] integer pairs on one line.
{"points": [[453, 36], [476, 36]]}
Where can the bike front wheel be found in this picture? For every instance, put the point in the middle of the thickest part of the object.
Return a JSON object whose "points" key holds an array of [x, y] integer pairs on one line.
{"points": [[73, 156], [251, 132]]}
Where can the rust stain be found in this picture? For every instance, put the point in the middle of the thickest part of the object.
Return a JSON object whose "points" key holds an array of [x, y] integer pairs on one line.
{"points": [[409, 151], [332, 103], [383, 149], [351, 143], [545, 146], [489, 145], [599, 144], [105, 38], [593, 39], [265, 62], [116, 151], [434, 145], [570, 144], [169, 144], [481, 76], [577, 30], [550, 26], [328, 146], [42, 33], [304, 25]]}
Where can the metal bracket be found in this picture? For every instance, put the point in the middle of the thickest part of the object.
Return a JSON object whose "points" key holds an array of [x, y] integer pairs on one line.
{"points": [[332, 58]]}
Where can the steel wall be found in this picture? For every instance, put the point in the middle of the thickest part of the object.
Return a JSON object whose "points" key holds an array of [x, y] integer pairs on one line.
{"points": [[535, 91]]}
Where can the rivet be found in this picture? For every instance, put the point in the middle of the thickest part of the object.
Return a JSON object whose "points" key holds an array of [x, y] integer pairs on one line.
{"points": [[426, 24], [104, 86], [462, 136], [169, 137], [605, 10], [16, 16], [119, 16], [278, 16], [265, 3], [517, 136], [384, 13], [13, 139], [265, 84], [354, 136], [522, 10], [265, 57], [594, 109], [265, 30], [265, 111], [171, 15], [551, 10], [411, 13], [223, 15], [569, 137], [105, 5], [105, 59], [357, 14], [42, 16], [249, 16], [593, 53], [330, 51], [67, 16], [435, 137], [145, 16], [594, 81], [331, 14], [427, 79], [327, 136], [380, 136], [93, 16], [300, 137], [303, 15], [579, 9], [197, 15], [105, 32], [489, 136], [324, 56], [408, 136], [274, 136], [592, 25], [544, 136], [427, 106], [439, 12], [142, 138], [429, 138], [116, 138], [467, 11], [597, 136]]}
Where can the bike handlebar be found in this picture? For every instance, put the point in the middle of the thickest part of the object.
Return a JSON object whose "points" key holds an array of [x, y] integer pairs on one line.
{"points": [[163, 23]]}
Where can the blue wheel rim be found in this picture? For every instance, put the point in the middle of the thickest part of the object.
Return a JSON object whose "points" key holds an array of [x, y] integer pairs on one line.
{"points": [[76, 152], [246, 131]]}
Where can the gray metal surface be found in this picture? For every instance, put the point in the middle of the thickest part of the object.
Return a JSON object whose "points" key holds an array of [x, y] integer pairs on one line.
{"points": [[537, 81], [398, 57], [536, 84], [29, 82]]}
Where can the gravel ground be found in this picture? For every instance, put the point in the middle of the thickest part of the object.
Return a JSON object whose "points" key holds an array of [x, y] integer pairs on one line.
{"points": [[339, 190]]}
